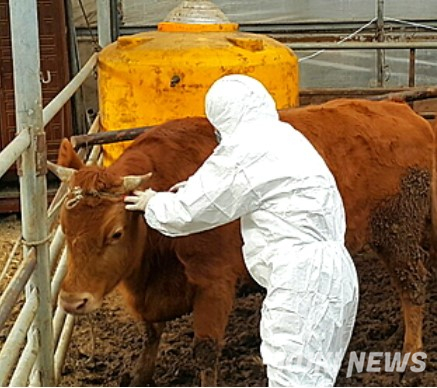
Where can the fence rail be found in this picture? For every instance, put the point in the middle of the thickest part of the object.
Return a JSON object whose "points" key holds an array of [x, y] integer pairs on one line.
{"points": [[35, 346], [20, 369]]}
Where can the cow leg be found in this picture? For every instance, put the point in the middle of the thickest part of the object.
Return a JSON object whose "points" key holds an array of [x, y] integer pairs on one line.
{"points": [[206, 352], [413, 296], [413, 318], [145, 368], [400, 234], [410, 278], [212, 306]]}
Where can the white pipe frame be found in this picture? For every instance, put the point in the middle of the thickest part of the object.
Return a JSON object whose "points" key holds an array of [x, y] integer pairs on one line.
{"points": [[43, 355], [9, 353]]}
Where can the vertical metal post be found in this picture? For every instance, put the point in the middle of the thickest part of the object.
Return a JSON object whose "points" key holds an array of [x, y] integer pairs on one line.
{"points": [[412, 68], [104, 22], [33, 186], [115, 20], [79, 118], [380, 38]]}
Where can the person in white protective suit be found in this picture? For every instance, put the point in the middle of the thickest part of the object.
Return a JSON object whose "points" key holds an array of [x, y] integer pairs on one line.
{"points": [[293, 226]]}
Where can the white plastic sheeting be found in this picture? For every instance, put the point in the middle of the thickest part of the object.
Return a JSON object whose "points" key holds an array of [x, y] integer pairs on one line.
{"points": [[293, 227], [345, 68], [283, 11], [141, 12]]}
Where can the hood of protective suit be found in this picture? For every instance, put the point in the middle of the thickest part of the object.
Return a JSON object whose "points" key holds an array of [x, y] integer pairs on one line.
{"points": [[238, 99]]}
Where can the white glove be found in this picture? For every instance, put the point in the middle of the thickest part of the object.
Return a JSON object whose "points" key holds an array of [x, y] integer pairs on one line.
{"points": [[177, 186], [139, 200]]}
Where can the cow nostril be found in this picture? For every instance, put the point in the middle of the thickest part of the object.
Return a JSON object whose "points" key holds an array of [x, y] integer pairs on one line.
{"points": [[78, 303], [81, 305]]}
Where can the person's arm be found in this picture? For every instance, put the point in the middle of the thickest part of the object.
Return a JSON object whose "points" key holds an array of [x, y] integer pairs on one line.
{"points": [[218, 193]]}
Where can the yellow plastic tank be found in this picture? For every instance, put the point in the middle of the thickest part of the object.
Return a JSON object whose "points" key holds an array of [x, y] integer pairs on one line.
{"points": [[149, 78]]}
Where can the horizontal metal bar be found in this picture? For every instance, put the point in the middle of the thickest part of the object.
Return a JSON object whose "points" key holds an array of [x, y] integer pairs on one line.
{"points": [[106, 137], [349, 91], [351, 45], [55, 105], [309, 27], [398, 94], [327, 26], [13, 150], [362, 45], [15, 287]]}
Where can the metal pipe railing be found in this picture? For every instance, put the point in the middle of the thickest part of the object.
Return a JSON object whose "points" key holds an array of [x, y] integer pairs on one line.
{"points": [[10, 352], [38, 356], [22, 370], [13, 150], [9, 261], [104, 22], [15, 287], [54, 106], [33, 185], [26, 364], [16, 337], [380, 38], [61, 350], [362, 45]]}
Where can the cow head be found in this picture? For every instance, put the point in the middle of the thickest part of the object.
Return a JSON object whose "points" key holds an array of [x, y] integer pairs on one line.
{"points": [[101, 236]]}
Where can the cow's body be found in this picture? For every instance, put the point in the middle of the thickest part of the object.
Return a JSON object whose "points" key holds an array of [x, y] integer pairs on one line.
{"points": [[383, 157], [380, 153]]}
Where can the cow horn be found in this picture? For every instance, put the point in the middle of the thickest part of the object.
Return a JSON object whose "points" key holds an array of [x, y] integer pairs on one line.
{"points": [[132, 182], [63, 173]]}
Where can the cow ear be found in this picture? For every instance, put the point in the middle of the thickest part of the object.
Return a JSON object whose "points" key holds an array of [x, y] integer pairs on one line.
{"points": [[133, 182], [63, 173], [68, 157]]}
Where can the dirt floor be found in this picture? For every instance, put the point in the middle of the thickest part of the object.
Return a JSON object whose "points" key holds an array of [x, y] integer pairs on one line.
{"points": [[102, 359], [9, 232], [117, 342]]}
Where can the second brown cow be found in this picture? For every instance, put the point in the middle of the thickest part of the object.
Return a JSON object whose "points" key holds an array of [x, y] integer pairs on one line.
{"points": [[381, 153]]}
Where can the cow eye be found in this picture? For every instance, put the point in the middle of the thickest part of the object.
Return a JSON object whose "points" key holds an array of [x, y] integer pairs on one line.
{"points": [[117, 235]]}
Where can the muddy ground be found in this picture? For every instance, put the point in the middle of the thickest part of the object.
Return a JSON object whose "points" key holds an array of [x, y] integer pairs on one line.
{"points": [[103, 361], [117, 341]]}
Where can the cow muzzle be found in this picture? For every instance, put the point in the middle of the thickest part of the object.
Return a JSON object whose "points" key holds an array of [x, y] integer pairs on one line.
{"points": [[78, 302]]}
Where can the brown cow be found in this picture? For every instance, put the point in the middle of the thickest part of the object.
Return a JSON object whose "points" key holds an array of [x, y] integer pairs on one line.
{"points": [[160, 278], [381, 154]]}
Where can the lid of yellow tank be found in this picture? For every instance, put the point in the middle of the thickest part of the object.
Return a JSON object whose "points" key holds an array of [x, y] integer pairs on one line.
{"points": [[197, 16]]}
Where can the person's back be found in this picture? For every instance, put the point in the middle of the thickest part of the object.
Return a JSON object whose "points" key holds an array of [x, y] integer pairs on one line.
{"points": [[288, 177]]}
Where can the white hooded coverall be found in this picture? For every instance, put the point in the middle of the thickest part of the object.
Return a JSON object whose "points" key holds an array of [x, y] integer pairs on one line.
{"points": [[293, 226]]}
